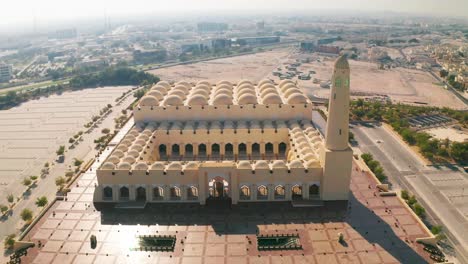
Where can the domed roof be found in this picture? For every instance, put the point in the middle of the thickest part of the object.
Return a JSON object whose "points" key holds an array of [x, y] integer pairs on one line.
{"points": [[309, 156], [222, 99], [247, 99], [272, 99], [158, 166], [136, 147], [297, 99], [207, 83], [124, 166], [203, 87], [264, 81], [296, 164], [223, 91], [179, 93], [268, 90], [175, 165], [183, 83], [140, 141], [244, 81], [149, 100], [287, 93], [342, 63], [279, 164], [201, 92], [197, 100], [133, 153], [245, 91], [244, 164], [224, 82], [113, 159], [223, 86], [173, 100], [182, 88], [161, 89], [245, 86], [156, 94], [283, 82], [108, 166], [261, 164], [129, 159], [141, 166], [164, 84], [192, 165], [313, 163]]}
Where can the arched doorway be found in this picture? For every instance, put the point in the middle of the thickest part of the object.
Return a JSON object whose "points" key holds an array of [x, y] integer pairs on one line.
{"points": [[314, 191], [228, 151], [242, 150], [107, 193], [175, 150], [124, 193], [141, 194], [215, 150], [296, 192], [255, 151], [282, 147], [269, 152], [219, 188], [162, 151], [202, 150], [279, 192]]}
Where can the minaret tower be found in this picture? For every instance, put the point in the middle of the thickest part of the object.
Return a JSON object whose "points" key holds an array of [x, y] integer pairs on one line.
{"points": [[337, 155]]}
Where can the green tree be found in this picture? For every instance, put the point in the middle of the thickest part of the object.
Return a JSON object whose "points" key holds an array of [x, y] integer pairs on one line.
{"points": [[105, 130], [77, 162], [404, 194], [367, 157], [3, 208], [33, 178], [419, 210], [436, 229], [412, 200], [26, 215], [41, 201], [10, 198], [9, 241], [27, 181], [60, 181], [61, 150]]}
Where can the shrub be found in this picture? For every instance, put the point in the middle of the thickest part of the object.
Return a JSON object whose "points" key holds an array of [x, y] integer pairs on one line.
{"points": [[26, 215], [436, 229], [3, 208], [411, 200], [419, 210], [46, 165], [9, 241], [60, 181], [366, 157], [61, 150], [33, 178], [404, 194], [71, 140], [41, 201], [10, 198], [27, 181], [105, 131], [77, 162]]}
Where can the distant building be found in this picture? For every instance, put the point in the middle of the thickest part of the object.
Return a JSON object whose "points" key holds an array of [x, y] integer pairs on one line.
{"points": [[89, 63], [64, 34], [260, 25], [220, 44], [5, 72], [193, 47], [252, 41], [308, 46], [328, 49], [212, 26], [149, 56], [324, 41]]}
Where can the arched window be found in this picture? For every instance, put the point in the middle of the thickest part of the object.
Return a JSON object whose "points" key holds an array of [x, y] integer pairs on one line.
{"points": [[228, 150], [175, 193], [314, 190], [262, 193], [158, 193], [242, 149], [279, 192], [107, 193], [124, 193], [192, 193], [244, 193], [175, 150], [188, 150], [282, 149], [141, 194], [215, 150], [269, 148], [162, 150], [256, 149], [202, 150], [296, 192]]}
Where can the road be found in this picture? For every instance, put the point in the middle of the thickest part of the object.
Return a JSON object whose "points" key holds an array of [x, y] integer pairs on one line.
{"points": [[46, 186], [405, 170]]}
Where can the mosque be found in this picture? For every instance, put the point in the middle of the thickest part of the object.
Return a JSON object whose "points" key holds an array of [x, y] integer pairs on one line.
{"points": [[242, 142]]}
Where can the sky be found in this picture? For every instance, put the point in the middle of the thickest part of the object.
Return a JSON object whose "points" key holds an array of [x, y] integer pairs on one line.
{"points": [[18, 12]]}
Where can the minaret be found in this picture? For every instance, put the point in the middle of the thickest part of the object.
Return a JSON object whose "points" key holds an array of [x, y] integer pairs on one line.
{"points": [[338, 107], [336, 157]]}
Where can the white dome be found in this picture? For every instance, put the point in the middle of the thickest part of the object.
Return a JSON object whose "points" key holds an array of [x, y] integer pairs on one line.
{"points": [[244, 81], [313, 163], [108, 166], [122, 148], [129, 137], [183, 83], [296, 164], [133, 153], [247, 99], [297, 99], [288, 86], [223, 86], [129, 159], [201, 92], [124, 166], [207, 83], [141, 166], [224, 82], [261, 164], [164, 84], [158, 166], [222, 99], [287, 93], [149, 100], [175, 165], [272, 99], [264, 81], [223, 91], [268, 91], [245, 86], [118, 153], [284, 82], [197, 100], [173, 100], [245, 91], [156, 94], [192, 165], [203, 87], [140, 142], [309, 156], [179, 93], [244, 164], [182, 88], [113, 159], [137, 147], [279, 164], [163, 90]]}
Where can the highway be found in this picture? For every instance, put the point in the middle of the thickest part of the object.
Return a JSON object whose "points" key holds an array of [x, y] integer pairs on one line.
{"points": [[406, 170]]}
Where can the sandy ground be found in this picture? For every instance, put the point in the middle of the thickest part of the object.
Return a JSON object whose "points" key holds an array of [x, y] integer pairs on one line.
{"points": [[32, 132], [448, 132], [253, 67]]}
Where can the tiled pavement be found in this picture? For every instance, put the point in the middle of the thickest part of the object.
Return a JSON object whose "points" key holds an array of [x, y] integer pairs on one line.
{"points": [[376, 229]]}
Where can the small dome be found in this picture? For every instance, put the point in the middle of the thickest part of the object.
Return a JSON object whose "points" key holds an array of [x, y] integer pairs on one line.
{"points": [[129, 159], [223, 91], [133, 153], [291, 91], [309, 156], [140, 142], [113, 159], [175, 165], [297, 99], [342, 63], [192, 165], [247, 99], [279, 164], [156, 94], [197, 100], [203, 87], [307, 151], [224, 82], [288, 86], [182, 88], [245, 86], [267, 86], [272, 99], [207, 83], [296, 164], [201, 92], [164, 84], [108, 166], [158, 166], [244, 164], [122, 148], [223, 86], [137, 147], [141, 166], [163, 90], [149, 100], [268, 91], [245, 91], [118, 153], [243, 82], [124, 166], [179, 93], [313, 163], [284, 82], [222, 99], [173, 100], [264, 81], [261, 164]]}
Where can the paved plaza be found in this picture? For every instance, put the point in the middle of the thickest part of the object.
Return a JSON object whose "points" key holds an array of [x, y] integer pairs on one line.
{"points": [[376, 230]]}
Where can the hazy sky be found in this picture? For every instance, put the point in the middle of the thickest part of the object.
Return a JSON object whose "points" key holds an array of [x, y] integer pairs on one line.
{"points": [[22, 11]]}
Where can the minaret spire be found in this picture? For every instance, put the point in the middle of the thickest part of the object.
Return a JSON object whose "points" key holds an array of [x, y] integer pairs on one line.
{"points": [[338, 108]]}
